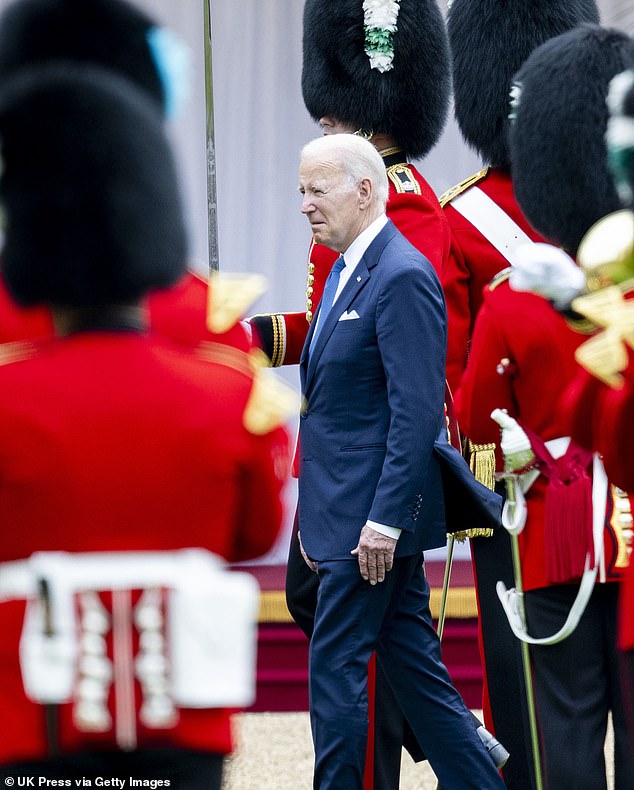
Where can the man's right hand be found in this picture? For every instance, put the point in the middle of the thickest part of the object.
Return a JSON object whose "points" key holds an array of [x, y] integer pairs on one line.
{"points": [[311, 563]]}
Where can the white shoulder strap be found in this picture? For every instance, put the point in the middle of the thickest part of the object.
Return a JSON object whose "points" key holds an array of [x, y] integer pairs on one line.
{"points": [[493, 222]]}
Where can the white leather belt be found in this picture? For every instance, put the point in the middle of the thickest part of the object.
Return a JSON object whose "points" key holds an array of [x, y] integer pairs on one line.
{"points": [[210, 620]]}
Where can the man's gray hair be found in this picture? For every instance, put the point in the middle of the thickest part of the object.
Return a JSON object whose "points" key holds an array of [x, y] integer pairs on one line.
{"points": [[357, 157]]}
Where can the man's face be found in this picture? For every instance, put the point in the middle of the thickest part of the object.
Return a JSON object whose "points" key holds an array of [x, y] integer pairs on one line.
{"points": [[331, 202], [330, 125]]}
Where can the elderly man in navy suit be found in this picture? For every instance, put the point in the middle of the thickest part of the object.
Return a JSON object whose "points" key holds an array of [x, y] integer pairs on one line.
{"points": [[370, 492]]}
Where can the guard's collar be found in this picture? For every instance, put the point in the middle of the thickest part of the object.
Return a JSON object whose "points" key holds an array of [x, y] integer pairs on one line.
{"points": [[393, 156]]}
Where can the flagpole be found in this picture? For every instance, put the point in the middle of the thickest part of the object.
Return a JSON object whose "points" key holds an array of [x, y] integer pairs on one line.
{"points": [[212, 206]]}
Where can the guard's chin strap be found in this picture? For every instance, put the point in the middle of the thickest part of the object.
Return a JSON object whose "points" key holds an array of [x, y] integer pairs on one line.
{"points": [[513, 520], [367, 134]]}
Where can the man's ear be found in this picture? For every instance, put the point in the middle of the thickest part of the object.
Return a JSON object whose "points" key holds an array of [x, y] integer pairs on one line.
{"points": [[366, 192]]}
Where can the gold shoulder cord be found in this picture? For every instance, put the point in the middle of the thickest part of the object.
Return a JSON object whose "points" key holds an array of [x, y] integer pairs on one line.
{"points": [[229, 296], [501, 277], [271, 402], [458, 189]]}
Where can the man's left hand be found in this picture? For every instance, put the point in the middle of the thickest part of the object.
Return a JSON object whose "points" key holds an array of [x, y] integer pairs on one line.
{"points": [[375, 553]]}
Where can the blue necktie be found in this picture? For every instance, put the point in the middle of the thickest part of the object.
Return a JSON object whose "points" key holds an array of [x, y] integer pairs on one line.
{"points": [[328, 296]]}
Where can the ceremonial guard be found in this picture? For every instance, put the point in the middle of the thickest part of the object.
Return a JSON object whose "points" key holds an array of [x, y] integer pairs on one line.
{"points": [[119, 36], [599, 404], [400, 103], [489, 41], [129, 467], [521, 360]]}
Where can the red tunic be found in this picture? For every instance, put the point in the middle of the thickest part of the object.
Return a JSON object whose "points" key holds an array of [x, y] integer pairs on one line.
{"points": [[414, 209], [535, 347], [116, 442], [598, 417], [177, 313], [473, 263]]}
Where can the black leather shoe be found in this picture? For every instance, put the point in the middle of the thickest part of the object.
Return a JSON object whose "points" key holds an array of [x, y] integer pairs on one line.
{"points": [[496, 751], [494, 748]]}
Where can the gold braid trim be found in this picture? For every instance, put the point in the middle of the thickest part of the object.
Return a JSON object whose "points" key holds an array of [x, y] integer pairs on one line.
{"points": [[461, 604], [453, 192], [482, 464], [621, 523], [402, 177], [471, 533], [279, 340]]}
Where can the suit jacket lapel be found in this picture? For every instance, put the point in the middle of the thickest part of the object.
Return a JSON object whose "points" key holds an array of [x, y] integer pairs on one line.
{"points": [[357, 281]]}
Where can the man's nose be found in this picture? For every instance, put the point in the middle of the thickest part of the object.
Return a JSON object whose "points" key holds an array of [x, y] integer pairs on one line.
{"points": [[307, 205]]}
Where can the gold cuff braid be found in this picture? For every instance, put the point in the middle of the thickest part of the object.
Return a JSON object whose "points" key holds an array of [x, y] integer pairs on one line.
{"points": [[279, 340]]}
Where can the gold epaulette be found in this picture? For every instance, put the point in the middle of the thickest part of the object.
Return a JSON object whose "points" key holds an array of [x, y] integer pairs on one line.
{"points": [[500, 277], [605, 355], [17, 351], [229, 297], [271, 402], [458, 189], [402, 176]]}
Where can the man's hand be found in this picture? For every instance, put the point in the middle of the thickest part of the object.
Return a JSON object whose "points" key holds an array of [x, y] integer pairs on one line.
{"points": [[376, 554], [311, 563]]}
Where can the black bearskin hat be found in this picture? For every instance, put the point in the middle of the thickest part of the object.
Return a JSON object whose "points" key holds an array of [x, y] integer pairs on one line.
{"points": [[490, 39], [557, 137], [408, 100], [108, 33], [88, 190]]}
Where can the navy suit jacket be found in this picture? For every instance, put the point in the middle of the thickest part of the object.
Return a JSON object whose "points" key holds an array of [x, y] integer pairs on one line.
{"points": [[373, 388]]}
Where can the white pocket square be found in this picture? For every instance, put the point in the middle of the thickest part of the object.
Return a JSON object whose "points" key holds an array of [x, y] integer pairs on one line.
{"points": [[349, 316]]}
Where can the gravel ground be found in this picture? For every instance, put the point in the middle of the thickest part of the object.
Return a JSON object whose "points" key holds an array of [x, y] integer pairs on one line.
{"points": [[275, 753]]}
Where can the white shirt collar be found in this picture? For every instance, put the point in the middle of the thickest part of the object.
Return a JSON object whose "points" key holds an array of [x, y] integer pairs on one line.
{"points": [[356, 250]]}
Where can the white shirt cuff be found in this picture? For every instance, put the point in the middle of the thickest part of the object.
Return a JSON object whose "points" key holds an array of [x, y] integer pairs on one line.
{"points": [[390, 532]]}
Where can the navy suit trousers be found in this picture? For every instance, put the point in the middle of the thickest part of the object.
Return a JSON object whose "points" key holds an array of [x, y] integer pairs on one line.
{"points": [[354, 618]]}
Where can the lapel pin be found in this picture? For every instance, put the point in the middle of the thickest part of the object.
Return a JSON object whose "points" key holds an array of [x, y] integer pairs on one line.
{"points": [[358, 278]]}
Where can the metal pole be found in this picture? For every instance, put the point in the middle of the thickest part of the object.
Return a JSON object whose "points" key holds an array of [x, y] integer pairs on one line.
{"points": [[526, 661], [445, 587], [50, 709], [212, 206]]}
